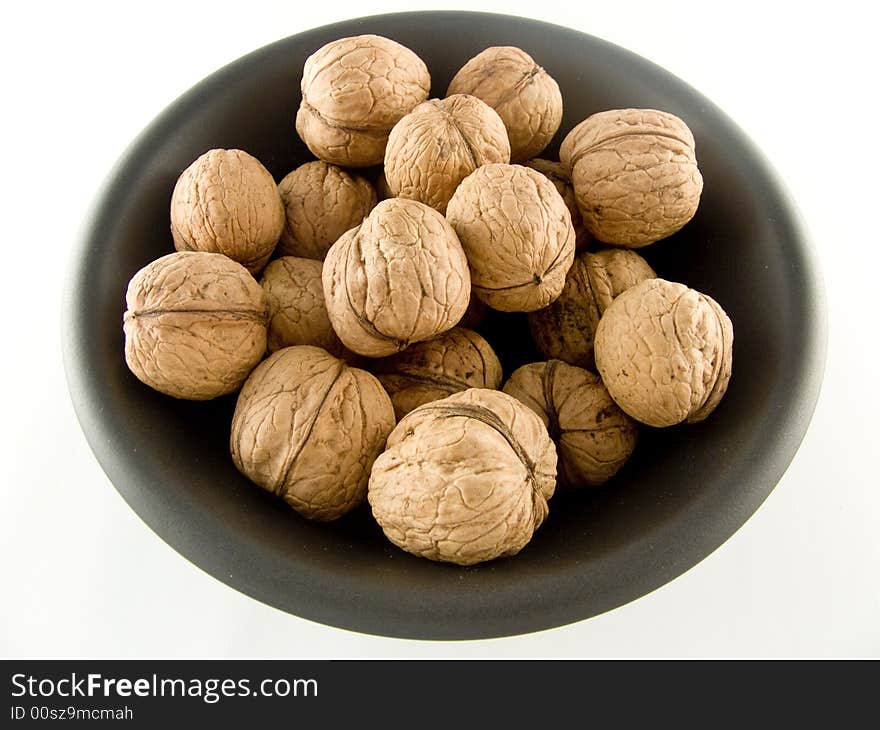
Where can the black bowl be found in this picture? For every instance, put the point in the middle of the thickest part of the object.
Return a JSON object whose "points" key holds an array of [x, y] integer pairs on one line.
{"points": [[686, 490]]}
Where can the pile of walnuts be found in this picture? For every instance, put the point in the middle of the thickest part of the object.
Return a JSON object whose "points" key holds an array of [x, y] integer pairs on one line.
{"points": [[359, 372]]}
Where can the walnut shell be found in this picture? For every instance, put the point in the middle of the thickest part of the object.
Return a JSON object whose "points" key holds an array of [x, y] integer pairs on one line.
{"points": [[195, 325], [665, 352], [431, 370], [227, 202], [565, 330], [321, 202], [464, 479], [354, 90], [594, 438], [555, 173], [517, 234], [634, 173], [438, 144], [295, 304], [399, 277], [525, 96], [307, 427]]}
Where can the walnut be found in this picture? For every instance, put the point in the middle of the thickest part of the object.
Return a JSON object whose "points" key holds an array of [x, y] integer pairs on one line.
{"points": [[565, 330], [438, 144], [295, 303], [464, 479], [517, 234], [594, 438], [525, 96], [354, 90], [398, 278], [634, 173], [307, 427], [195, 325], [555, 173], [431, 370], [321, 203], [227, 202], [665, 352]]}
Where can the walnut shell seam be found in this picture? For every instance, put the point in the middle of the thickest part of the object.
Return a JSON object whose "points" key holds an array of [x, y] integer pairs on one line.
{"points": [[486, 416], [294, 453]]}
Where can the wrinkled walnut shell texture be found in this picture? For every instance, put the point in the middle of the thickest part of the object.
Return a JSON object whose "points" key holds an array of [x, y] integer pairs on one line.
{"points": [[464, 479], [634, 173], [321, 202], [565, 329], [525, 96], [354, 90], [295, 304], [428, 371], [227, 202], [517, 234], [437, 145], [665, 352], [555, 173], [594, 438], [398, 278], [195, 325], [307, 427]]}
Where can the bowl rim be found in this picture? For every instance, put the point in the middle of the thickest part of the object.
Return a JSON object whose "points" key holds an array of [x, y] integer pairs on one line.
{"points": [[673, 550]]}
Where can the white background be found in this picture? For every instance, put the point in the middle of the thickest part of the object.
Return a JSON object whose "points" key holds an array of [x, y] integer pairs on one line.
{"points": [[83, 576]]}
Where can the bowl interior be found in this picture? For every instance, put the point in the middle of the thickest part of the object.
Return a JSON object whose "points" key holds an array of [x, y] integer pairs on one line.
{"points": [[683, 493]]}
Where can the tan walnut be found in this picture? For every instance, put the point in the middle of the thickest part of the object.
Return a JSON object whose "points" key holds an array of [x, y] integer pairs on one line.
{"points": [[431, 370], [354, 90], [665, 352], [594, 438], [464, 479], [307, 427], [227, 202], [398, 278], [438, 144], [517, 234], [565, 330], [555, 173], [195, 325], [525, 96], [634, 173], [295, 304], [321, 202]]}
